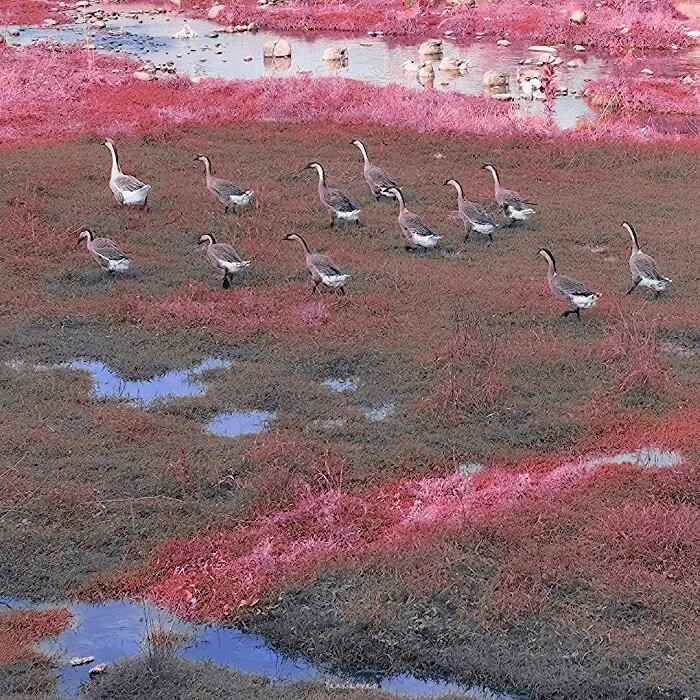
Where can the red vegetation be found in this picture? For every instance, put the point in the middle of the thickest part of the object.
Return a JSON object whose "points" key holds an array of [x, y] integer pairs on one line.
{"points": [[21, 629], [646, 94], [213, 576], [617, 24], [29, 12], [99, 94]]}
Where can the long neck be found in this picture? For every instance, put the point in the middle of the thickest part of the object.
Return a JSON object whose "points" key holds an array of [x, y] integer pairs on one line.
{"points": [[496, 183], [460, 193], [303, 243], [207, 168], [115, 162], [361, 146], [399, 196], [633, 235], [551, 267], [321, 177], [88, 240]]}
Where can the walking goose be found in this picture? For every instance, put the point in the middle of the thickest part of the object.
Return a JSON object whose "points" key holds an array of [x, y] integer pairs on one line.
{"points": [[321, 268], [127, 189], [338, 205], [566, 289], [643, 267], [105, 252], [226, 192], [222, 256], [474, 217], [511, 202], [378, 180], [416, 232]]}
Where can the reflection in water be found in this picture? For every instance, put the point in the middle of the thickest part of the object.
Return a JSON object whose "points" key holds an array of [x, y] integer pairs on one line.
{"points": [[114, 630], [232, 424], [108, 384], [650, 456], [348, 384]]}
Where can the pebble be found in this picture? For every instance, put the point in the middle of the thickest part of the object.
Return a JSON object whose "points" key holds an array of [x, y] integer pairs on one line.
{"points": [[247, 59], [647, 71], [212, 35], [80, 660]]}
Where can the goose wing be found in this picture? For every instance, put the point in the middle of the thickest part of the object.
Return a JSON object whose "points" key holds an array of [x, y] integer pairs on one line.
{"points": [[476, 214], [415, 225], [226, 253], [226, 189], [107, 249], [338, 201], [571, 287], [646, 267], [379, 178], [325, 265], [128, 183], [510, 198]]}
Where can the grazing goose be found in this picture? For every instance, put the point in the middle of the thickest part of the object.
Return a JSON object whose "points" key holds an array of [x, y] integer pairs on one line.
{"points": [[321, 268], [416, 232], [643, 267], [474, 217], [377, 179], [222, 256], [338, 205], [226, 192], [566, 289], [105, 252], [511, 202], [127, 189]]}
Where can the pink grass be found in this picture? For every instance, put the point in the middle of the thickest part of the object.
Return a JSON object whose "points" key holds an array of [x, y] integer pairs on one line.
{"points": [[53, 93]]}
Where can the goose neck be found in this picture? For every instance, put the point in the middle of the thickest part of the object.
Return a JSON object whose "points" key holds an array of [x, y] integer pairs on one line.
{"points": [[115, 159]]}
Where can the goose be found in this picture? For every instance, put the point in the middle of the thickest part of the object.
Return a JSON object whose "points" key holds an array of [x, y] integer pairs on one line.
{"points": [[226, 192], [321, 268], [511, 202], [416, 232], [643, 267], [378, 180], [105, 252], [474, 217], [567, 289], [127, 189], [425, 74], [222, 256], [338, 205], [410, 66]]}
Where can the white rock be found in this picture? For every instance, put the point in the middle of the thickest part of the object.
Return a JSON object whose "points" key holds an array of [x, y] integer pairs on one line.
{"points": [[695, 33], [503, 42], [49, 22], [543, 49], [80, 660], [277, 48], [579, 47], [335, 55], [215, 11], [247, 59], [185, 33], [576, 63], [647, 71], [578, 17]]}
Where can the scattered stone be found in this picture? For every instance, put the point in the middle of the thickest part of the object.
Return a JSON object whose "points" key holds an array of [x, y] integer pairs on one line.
{"points": [[576, 63], [253, 27], [495, 79], [212, 35], [694, 33], [247, 59], [579, 47], [578, 17], [543, 49], [80, 660], [503, 42], [431, 47], [49, 22], [99, 24], [277, 48], [625, 30], [647, 71], [100, 668], [82, 3]]}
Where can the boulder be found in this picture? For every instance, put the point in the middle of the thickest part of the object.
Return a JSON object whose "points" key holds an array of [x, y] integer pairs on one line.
{"points": [[277, 48]]}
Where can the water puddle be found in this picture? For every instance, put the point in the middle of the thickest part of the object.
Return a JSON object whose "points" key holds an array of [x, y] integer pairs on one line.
{"points": [[233, 424], [349, 384], [114, 630], [650, 456], [372, 59], [108, 384], [379, 413]]}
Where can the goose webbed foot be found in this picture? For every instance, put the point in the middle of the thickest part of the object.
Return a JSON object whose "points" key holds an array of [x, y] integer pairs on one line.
{"points": [[341, 291], [634, 286]]}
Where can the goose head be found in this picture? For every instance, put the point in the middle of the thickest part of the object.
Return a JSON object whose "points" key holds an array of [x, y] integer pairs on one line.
{"points": [[207, 238], [547, 255], [85, 235]]}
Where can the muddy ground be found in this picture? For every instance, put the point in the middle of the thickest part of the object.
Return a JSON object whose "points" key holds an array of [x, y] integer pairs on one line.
{"points": [[464, 344]]}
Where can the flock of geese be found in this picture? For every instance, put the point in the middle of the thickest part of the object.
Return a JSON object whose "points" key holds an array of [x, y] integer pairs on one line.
{"points": [[129, 190]]}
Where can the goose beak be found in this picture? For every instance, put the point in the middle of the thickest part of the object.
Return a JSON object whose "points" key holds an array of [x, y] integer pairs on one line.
{"points": [[447, 182], [307, 166]]}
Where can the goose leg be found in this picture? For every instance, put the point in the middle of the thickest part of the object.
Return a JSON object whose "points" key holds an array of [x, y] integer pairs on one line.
{"points": [[227, 281], [226, 209], [313, 291], [332, 220], [634, 286], [341, 290], [566, 313]]}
